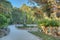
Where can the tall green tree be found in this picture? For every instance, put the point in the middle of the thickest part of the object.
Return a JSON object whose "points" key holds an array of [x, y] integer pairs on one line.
{"points": [[17, 16], [6, 8]]}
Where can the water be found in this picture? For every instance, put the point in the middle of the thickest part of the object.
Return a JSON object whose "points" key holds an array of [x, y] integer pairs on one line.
{"points": [[17, 34]]}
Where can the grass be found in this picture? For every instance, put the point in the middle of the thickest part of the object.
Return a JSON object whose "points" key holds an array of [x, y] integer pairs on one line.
{"points": [[44, 36]]}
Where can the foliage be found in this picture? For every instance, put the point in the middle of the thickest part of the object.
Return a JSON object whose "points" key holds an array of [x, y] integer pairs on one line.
{"points": [[3, 21], [30, 18], [46, 5], [17, 16], [48, 23], [44, 22], [6, 8], [54, 23], [38, 12], [28, 14]]}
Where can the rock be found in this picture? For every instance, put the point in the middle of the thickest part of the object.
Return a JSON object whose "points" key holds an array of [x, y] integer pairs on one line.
{"points": [[4, 32]]}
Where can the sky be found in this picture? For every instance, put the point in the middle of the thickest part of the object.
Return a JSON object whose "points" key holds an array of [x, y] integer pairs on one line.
{"points": [[19, 3]]}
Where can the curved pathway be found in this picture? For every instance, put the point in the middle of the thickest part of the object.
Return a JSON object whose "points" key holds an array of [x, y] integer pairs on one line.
{"points": [[17, 34]]}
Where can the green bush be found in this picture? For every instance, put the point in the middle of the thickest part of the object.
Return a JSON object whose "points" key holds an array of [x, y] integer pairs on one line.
{"points": [[48, 23], [54, 23], [3, 21], [44, 22]]}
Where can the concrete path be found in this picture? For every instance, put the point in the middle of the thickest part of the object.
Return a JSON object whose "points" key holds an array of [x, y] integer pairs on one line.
{"points": [[17, 34]]}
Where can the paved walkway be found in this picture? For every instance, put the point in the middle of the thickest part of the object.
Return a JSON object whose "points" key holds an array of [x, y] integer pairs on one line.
{"points": [[17, 34]]}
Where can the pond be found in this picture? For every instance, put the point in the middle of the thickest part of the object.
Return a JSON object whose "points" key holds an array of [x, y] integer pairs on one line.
{"points": [[18, 34]]}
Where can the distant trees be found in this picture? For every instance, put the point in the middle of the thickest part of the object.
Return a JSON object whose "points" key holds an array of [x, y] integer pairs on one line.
{"points": [[29, 14], [17, 16]]}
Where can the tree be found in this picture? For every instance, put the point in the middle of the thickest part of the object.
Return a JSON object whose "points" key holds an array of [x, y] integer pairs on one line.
{"points": [[17, 15], [6, 8], [28, 13], [47, 5], [38, 13]]}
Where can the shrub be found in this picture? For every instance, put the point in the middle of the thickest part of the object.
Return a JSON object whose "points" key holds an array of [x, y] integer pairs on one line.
{"points": [[3, 21], [48, 23], [54, 23]]}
